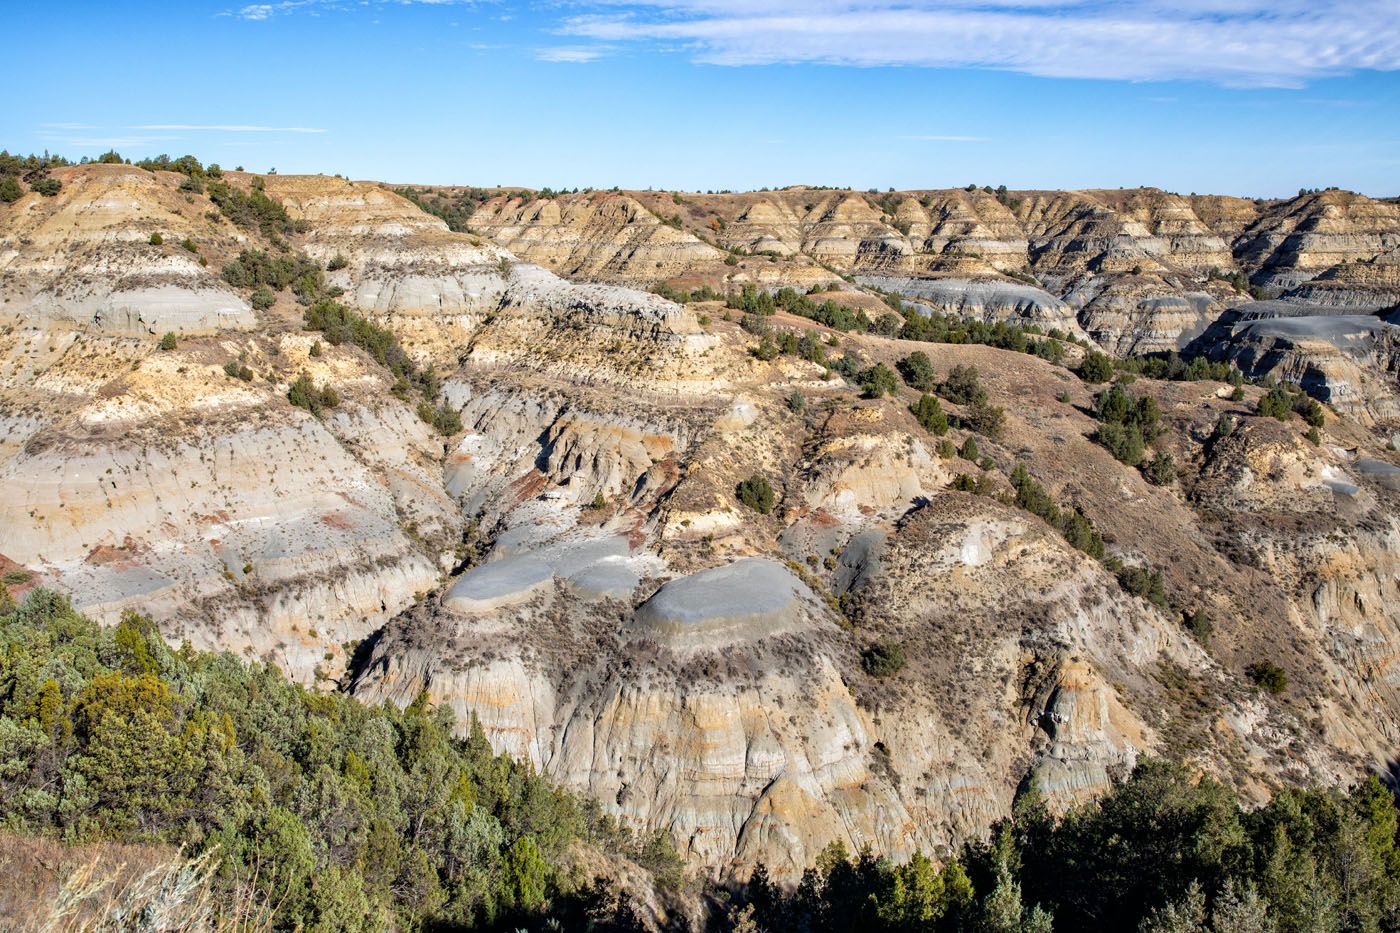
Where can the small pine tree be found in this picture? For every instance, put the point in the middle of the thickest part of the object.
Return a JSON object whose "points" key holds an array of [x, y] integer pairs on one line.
{"points": [[168, 342]]}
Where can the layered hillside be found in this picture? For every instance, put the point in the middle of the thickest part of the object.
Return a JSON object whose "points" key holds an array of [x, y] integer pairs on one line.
{"points": [[1139, 270], [540, 502]]}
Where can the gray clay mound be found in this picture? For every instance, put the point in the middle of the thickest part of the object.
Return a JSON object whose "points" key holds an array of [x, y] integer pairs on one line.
{"points": [[1345, 332], [745, 601], [1380, 472], [606, 580], [500, 583]]}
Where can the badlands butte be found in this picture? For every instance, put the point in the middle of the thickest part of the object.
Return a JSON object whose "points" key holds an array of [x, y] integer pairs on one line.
{"points": [[511, 478]]}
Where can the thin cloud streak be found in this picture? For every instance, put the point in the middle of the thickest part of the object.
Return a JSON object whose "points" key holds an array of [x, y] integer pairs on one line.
{"points": [[227, 128], [1241, 43], [570, 54]]}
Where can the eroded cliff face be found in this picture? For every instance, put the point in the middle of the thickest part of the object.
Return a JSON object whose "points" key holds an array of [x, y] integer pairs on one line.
{"points": [[573, 566], [86, 256], [1139, 270]]}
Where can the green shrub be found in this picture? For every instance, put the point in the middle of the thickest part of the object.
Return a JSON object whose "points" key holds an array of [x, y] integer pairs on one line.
{"points": [[1268, 676], [986, 419], [1161, 469], [877, 381], [238, 371], [48, 187], [946, 449], [1139, 581], [756, 493], [189, 245], [796, 401], [337, 262], [168, 342], [1095, 367], [304, 394], [929, 413], [883, 659], [156, 239], [446, 419], [1124, 442], [10, 189], [969, 450], [262, 298], [917, 371], [1276, 403], [963, 386], [1199, 624]]}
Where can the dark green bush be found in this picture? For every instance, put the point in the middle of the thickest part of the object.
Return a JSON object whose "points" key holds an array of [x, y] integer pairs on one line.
{"points": [[1095, 367], [917, 371], [1123, 441], [756, 493], [883, 659], [238, 371], [929, 413], [168, 341], [1139, 581], [1268, 676], [1200, 625], [877, 381], [1161, 469], [963, 386], [10, 189], [304, 394], [446, 419], [1276, 403]]}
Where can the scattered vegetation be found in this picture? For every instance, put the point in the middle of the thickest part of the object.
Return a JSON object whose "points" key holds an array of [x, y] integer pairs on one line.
{"points": [[254, 210], [268, 273], [1071, 523], [455, 209]]}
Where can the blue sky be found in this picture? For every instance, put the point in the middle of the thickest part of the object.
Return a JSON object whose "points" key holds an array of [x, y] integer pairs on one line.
{"points": [[1224, 96]]}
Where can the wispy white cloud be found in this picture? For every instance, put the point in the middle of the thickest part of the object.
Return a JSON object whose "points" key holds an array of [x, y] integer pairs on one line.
{"points": [[926, 138], [1256, 43], [258, 12], [571, 53], [227, 128]]}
